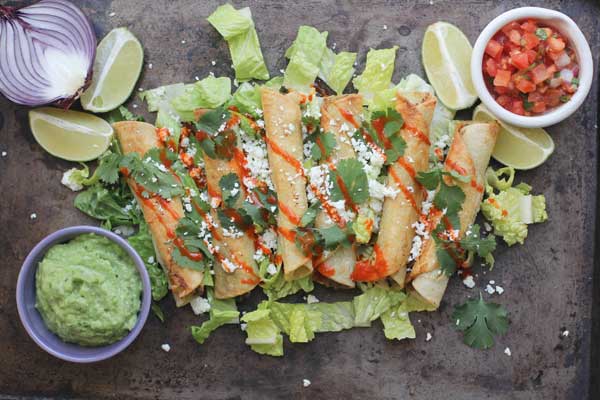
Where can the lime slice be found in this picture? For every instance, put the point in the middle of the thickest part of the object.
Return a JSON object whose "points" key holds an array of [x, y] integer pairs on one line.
{"points": [[447, 60], [70, 135], [118, 64], [520, 148]]}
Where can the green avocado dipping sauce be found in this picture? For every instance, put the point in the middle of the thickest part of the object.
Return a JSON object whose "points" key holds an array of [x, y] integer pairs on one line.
{"points": [[88, 291]]}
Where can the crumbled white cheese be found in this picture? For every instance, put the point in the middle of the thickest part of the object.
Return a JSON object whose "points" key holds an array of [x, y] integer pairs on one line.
{"points": [[499, 289], [33, 216], [565, 333], [200, 305], [4, 154], [243, 326], [490, 289], [305, 382], [469, 282], [310, 299], [166, 347], [271, 269], [112, 14], [151, 260], [70, 183], [428, 337], [269, 239], [507, 352], [228, 265]]}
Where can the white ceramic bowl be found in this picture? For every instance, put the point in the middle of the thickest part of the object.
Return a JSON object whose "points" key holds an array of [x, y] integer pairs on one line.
{"points": [[567, 27]]}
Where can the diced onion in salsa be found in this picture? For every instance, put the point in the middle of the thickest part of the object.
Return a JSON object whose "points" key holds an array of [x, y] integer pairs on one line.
{"points": [[530, 68]]}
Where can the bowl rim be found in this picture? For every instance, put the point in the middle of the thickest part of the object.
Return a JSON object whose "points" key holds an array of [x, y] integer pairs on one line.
{"points": [[577, 40], [30, 266]]}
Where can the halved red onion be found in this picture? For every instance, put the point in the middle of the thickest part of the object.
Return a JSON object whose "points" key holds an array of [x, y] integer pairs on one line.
{"points": [[46, 53]]}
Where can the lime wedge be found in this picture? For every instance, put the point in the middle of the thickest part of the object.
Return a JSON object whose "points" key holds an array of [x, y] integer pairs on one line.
{"points": [[520, 148], [70, 135], [447, 60], [119, 59]]}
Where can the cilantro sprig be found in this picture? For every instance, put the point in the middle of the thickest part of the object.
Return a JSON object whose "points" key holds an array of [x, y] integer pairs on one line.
{"points": [[216, 140], [349, 179], [322, 144], [391, 121], [480, 322]]}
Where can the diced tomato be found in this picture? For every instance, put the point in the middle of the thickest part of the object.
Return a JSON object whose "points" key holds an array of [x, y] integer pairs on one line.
{"points": [[504, 101], [539, 74], [515, 37], [512, 26], [525, 86], [535, 96], [556, 44], [493, 49], [538, 107], [491, 67], [531, 56], [530, 40], [552, 97], [502, 78], [517, 107], [529, 26], [520, 60]]}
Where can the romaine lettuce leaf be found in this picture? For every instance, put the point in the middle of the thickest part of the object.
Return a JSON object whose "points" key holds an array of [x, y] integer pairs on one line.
{"points": [[336, 69], [324, 317], [237, 28], [221, 312], [378, 72], [247, 99], [264, 336], [276, 287], [510, 210], [396, 323], [305, 56], [373, 303], [209, 92]]}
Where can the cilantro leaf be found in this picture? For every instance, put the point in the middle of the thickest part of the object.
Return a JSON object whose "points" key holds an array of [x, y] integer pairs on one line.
{"points": [[449, 198], [431, 179], [230, 189], [475, 243], [323, 144], [332, 237], [108, 168], [152, 174], [353, 179], [392, 154], [480, 322], [212, 121], [444, 252], [233, 220], [122, 114], [541, 33], [310, 215]]}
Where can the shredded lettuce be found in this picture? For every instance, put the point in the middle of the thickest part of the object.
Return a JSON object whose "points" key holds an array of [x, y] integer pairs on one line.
{"points": [[494, 178], [237, 28], [396, 323], [512, 209], [378, 72], [209, 92], [247, 99], [336, 70], [159, 100], [323, 317], [373, 303], [305, 56], [263, 335], [276, 287], [221, 312]]}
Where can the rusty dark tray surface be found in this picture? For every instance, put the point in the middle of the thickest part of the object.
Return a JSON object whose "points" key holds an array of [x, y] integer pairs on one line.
{"points": [[548, 281]]}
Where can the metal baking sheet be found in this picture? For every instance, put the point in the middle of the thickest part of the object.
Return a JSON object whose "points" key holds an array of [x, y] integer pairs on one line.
{"points": [[548, 282]]}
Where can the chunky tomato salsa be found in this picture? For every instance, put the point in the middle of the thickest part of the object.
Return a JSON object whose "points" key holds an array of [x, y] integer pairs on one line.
{"points": [[530, 68]]}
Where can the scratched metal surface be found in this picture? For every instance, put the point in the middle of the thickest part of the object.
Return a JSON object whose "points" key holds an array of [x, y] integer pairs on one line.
{"points": [[548, 282]]}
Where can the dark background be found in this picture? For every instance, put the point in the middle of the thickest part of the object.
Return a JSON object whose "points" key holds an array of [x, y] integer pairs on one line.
{"points": [[549, 282]]}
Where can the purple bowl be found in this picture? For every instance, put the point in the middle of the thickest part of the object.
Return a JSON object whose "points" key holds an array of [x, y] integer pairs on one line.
{"points": [[32, 320]]}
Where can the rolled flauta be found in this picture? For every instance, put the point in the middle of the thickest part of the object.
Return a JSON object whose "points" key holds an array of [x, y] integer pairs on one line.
{"points": [[283, 128], [469, 155], [161, 215], [236, 271], [338, 264], [399, 213]]}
